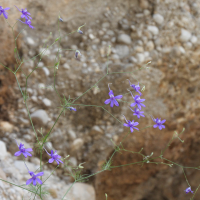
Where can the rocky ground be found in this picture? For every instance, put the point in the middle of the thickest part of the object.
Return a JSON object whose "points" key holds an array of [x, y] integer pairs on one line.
{"points": [[163, 32]]}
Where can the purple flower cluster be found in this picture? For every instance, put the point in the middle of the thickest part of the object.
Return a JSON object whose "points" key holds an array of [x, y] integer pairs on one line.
{"points": [[25, 14], [137, 110], [25, 152]]}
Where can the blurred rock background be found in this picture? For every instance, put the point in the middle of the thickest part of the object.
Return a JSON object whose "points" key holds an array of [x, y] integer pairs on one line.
{"points": [[165, 32]]}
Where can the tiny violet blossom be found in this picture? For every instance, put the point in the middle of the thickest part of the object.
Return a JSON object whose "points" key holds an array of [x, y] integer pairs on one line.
{"points": [[34, 178], [188, 190], [25, 13], [158, 123], [54, 156], [71, 108], [23, 151], [2, 11], [113, 98], [131, 124], [137, 101], [60, 19], [28, 22], [77, 54], [137, 112], [135, 87], [79, 29]]}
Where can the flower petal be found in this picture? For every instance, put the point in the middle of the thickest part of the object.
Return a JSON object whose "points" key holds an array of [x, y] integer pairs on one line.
{"points": [[163, 121], [155, 126], [51, 160], [25, 155], [115, 102], [29, 149], [29, 181], [107, 101], [133, 104], [40, 174], [34, 182], [131, 129], [112, 103], [119, 97], [18, 153], [126, 125], [39, 181]]}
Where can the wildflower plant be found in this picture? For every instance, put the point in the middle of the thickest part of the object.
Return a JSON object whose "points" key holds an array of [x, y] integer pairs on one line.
{"points": [[36, 182]]}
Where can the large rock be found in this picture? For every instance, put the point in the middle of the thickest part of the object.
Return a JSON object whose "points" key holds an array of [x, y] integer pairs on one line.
{"points": [[40, 117], [3, 151], [81, 191]]}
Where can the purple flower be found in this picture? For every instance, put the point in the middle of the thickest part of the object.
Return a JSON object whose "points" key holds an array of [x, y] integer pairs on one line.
{"points": [[77, 54], [79, 31], [25, 13], [131, 124], [54, 156], [23, 151], [5, 14], [188, 190], [113, 98], [135, 87], [158, 123], [28, 22], [34, 178], [60, 19], [138, 112], [137, 101], [71, 108]]}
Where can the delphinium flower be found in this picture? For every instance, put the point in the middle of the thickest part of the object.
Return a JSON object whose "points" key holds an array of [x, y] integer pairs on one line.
{"points": [[23, 151], [113, 98], [71, 108], [137, 112], [158, 123], [78, 54], [131, 124], [79, 29], [188, 190], [60, 19], [137, 101], [28, 22], [54, 156], [2, 11], [135, 87], [34, 178], [25, 13]]}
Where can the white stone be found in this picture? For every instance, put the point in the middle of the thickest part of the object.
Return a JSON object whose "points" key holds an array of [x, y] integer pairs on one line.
{"points": [[66, 66], [91, 36], [72, 134], [6, 126], [139, 49], [185, 35], [182, 50], [77, 144], [150, 45], [3, 150], [46, 71], [159, 19], [40, 117], [30, 41], [81, 191], [122, 51], [153, 29], [124, 39], [140, 58], [193, 39], [46, 102]]}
